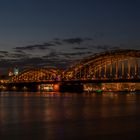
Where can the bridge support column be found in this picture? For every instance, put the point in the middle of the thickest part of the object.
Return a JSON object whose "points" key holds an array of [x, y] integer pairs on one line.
{"points": [[105, 69], [71, 87], [85, 72], [136, 70], [117, 69], [110, 70], [80, 75], [122, 69], [100, 69], [129, 69]]}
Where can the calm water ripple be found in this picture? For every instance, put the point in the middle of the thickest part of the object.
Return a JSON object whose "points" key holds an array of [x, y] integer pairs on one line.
{"points": [[69, 116]]}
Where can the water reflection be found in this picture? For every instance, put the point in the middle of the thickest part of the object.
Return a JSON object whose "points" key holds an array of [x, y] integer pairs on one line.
{"points": [[68, 116]]}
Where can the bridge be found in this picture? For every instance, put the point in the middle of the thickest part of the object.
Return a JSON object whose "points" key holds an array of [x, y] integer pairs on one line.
{"points": [[121, 64], [117, 66]]}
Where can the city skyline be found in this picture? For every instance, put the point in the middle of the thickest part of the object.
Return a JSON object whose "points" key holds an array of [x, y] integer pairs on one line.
{"points": [[52, 33]]}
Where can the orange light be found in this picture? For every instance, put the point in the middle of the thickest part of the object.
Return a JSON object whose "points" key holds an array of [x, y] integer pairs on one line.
{"points": [[56, 87]]}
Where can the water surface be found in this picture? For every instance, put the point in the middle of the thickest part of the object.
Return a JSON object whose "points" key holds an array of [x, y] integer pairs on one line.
{"points": [[69, 116]]}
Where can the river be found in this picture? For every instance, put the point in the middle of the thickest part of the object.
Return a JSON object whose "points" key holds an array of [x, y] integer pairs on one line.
{"points": [[69, 116]]}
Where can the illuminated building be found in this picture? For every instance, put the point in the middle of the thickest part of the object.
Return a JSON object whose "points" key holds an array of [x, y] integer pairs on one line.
{"points": [[16, 71]]}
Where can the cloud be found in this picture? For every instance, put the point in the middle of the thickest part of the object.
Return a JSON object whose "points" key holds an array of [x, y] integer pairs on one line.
{"points": [[47, 44], [23, 63], [106, 47], [58, 52], [74, 55], [57, 41], [3, 52], [1, 56], [100, 48], [80, 48], [19, 51], [35, 46], [18, 55], [10, 56], [77, 40]]}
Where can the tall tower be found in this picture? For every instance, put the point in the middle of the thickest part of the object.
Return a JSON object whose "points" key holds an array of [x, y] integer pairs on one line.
{"points": [[10, 72], [16, 71]]}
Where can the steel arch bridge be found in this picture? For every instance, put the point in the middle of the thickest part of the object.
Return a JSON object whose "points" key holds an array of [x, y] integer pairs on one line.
{"points": [[37, 75], [116, 64], [120, 64]]}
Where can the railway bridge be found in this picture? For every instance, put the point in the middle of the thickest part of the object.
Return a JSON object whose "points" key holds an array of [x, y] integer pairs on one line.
{"points": [[118, 66]]}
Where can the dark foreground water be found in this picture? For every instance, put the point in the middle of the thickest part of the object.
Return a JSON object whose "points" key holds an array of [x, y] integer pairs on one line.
{"points": [[56, 116]]}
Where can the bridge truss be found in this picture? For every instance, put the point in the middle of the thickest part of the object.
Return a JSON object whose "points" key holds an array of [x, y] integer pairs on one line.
{"points": [[37, 75], [120, 64]]}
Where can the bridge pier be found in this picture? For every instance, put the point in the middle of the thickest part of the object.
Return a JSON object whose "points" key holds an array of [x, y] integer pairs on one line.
{"points": [[21, 87], [71, 87], [46, 87]]}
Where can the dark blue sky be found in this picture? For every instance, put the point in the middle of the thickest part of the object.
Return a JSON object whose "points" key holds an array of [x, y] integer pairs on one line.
{"points": [[26, 26]]}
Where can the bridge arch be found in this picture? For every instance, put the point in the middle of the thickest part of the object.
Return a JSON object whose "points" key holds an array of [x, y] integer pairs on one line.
{"points": [[37, 75], [111, 64]]}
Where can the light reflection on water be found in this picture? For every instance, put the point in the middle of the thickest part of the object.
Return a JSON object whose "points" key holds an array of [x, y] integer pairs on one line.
{"points": [[69, 116]]}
